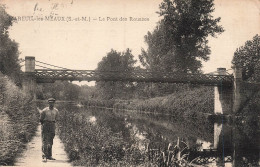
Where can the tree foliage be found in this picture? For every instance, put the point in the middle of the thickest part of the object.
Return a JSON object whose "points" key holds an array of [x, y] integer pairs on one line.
{"points": [[248, 57], [179, 41], [116, 61], [59, 90], [9, 61]]}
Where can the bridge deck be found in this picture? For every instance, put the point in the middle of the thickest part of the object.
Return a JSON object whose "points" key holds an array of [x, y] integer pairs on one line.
{"points": [[43, 76]]}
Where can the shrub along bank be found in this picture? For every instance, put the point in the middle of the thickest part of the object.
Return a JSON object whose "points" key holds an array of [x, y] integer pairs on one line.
{"points": [[188, 102], [18, 119], [182, 103]]}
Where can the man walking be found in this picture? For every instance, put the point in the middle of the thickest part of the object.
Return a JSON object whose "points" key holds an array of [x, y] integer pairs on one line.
{"points": [[48, 117]]}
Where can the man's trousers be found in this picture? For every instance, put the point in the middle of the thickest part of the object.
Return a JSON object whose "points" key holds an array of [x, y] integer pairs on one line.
{"points": [[48, 133]]}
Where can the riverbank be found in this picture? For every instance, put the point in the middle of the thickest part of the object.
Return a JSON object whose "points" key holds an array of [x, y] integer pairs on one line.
{"points": [[18, 119], [191, 103]]}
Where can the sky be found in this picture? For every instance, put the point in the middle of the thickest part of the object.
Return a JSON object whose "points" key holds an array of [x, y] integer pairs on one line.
{"points": [[82, 44]]}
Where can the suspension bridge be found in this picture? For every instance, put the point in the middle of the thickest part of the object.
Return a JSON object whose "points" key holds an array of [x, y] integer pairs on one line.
{"points": [[48, 75]]}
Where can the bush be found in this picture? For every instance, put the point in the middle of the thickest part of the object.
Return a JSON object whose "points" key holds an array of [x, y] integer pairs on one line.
{"points": [[20, 120]]}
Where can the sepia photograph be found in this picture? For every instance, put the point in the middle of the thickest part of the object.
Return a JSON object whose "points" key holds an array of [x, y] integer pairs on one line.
{"points": [[146, 83]]}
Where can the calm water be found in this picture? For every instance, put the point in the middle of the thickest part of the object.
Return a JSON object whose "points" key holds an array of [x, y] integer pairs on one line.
{"points": [[208, 143]]}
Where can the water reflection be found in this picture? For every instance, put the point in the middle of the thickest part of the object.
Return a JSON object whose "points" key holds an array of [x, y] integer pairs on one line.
{"points": [[207, 143], [92, 119]]}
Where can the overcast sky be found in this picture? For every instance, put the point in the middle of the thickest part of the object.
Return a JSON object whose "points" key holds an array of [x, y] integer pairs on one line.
{"points": [[82, 44]]}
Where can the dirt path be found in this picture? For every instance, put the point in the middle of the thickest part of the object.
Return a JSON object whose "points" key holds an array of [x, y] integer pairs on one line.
{"points": [[33, 155]]}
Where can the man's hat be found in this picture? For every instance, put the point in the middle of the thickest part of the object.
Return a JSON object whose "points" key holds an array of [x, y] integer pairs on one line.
{"points": [[51, 100]]}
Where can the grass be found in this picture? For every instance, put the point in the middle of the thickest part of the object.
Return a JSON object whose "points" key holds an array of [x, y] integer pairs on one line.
{"points": [[186, 103]]}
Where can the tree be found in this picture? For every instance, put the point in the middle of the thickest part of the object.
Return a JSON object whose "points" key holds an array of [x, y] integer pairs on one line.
{"points": [[60, 90], [179, 41], [87, 93], [9, 61], [116, 61], [248, 57]]}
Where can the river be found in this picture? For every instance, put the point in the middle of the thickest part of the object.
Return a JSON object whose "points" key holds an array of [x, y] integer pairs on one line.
{"points": [[206, 143]]}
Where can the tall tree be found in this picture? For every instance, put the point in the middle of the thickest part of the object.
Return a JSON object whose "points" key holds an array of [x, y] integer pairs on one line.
{"points": [[9, 61], [116, 61], [179, 41], [248, 57]]}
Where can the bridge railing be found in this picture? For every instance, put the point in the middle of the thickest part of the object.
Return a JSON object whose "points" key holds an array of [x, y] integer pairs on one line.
{"points": [[44, 75]]}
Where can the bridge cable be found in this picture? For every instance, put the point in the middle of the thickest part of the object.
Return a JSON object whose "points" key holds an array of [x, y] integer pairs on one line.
{"points": [[52, 65], [229, 70], [228, 73], [42, 67]]}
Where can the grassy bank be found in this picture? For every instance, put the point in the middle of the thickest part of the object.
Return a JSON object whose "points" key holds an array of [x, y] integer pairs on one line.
{"points": [[18, 119], [189, 102]]}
